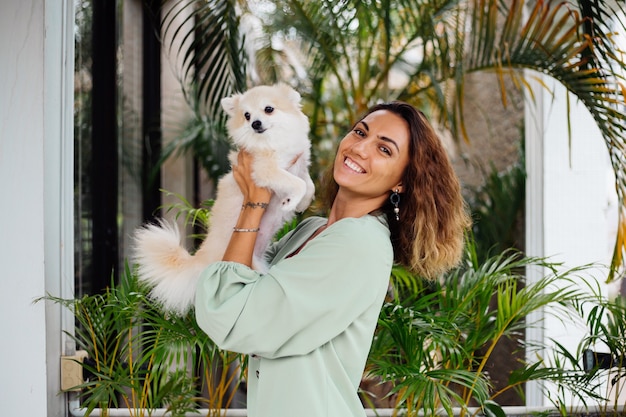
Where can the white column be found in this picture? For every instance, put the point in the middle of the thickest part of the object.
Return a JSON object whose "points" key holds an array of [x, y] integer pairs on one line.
{"points": [[534, 130], [58, 190]]}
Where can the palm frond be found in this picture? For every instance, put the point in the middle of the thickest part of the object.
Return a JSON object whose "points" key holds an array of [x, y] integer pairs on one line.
{"points": [[354, 46], [203, 38], [496, 206]]}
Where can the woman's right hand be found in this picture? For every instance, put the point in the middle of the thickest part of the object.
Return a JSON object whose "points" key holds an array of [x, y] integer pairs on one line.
{"points": [[255, 199], [242, 173]]}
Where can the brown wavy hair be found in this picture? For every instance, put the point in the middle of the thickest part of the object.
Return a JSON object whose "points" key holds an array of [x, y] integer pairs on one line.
{"points": [[428, 239]]}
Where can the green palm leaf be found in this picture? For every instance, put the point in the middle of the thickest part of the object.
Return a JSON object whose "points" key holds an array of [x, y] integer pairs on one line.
{"points": [[203, 36]]}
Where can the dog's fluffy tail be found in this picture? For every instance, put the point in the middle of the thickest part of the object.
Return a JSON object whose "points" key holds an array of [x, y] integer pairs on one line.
{"points": [[166, 267]]}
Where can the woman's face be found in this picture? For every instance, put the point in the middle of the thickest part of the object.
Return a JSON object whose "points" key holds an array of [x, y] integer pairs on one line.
{"points": [[372, 158]]}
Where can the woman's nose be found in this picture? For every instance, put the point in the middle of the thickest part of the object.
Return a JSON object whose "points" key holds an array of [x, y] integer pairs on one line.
{"points": [[360, 148]]}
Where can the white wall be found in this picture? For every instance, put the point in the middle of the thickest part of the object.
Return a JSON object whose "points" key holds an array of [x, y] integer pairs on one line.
{"points": [[571, 199], [35, 40]]}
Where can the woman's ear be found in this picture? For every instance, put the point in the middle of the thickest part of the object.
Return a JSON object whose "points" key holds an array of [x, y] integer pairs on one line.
{"points": [[399, 188]]}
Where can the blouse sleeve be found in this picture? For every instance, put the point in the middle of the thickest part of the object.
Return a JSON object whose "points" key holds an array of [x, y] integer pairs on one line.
{"points": [[302, 302]]}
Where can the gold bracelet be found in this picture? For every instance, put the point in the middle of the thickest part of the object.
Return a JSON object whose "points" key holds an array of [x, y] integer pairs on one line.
{"points": [[237, 229], [254, 205]]}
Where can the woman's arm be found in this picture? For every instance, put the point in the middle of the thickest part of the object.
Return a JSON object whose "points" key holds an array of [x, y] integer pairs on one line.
{"points": [[255, 199]]}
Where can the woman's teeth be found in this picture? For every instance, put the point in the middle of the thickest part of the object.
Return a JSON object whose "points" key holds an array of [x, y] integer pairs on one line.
{"points": [[353, 166]]}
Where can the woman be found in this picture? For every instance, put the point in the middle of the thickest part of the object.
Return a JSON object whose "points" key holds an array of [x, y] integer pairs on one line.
{"points": [[307, 325]]}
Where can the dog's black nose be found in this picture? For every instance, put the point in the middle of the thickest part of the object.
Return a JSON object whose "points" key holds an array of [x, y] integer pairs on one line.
{"points": [[257, 125]]}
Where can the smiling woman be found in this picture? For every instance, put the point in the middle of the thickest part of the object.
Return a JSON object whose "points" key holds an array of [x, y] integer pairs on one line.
{"points": [[428, 237], [371, 160], [307, 324]]}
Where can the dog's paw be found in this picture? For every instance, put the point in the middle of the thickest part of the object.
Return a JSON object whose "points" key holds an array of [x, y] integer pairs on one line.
{"points": [[288, 204], [306, 201], [295, 202], [303, 205]]}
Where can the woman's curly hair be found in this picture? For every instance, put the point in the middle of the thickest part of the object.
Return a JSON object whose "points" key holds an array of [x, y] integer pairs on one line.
{"points": [[428, 239]]}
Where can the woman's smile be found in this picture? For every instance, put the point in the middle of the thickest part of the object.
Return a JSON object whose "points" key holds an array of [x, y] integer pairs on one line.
{"points": [[351, 164]]}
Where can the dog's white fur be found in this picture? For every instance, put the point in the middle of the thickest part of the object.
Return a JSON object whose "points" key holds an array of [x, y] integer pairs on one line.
{"points": [[267, 122]]}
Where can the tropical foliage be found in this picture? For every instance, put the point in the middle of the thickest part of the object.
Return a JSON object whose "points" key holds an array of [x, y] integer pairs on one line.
{"points": [[498, 206], [606, 336], [204, 37], [434, 343]]}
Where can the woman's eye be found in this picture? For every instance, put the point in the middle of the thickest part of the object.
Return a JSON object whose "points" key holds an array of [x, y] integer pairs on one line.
{"points": [[385, 150], [269, 109], [246, 115], [359, 132]]}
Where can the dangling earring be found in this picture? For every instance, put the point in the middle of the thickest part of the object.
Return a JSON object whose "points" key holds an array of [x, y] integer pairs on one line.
{"points": [[395, 200]]}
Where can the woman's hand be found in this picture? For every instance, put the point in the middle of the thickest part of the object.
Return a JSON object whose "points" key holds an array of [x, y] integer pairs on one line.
{"points": [[243, 175], [255, 200]]}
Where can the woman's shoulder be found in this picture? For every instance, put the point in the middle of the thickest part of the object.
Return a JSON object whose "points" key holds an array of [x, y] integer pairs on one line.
{"points": [[366, 224], [367, 221], [363, 243], [361, 234]]}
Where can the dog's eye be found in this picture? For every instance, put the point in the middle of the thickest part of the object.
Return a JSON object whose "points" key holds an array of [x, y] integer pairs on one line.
{"points": [[246, 115], [269, 109]]}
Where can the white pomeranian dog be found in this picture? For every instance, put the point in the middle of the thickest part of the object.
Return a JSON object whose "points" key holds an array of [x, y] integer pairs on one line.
{"points": [[266, 121]]}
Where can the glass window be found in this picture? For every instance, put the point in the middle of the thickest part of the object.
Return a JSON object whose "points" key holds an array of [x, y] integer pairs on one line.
{"points": [[117, 128]]}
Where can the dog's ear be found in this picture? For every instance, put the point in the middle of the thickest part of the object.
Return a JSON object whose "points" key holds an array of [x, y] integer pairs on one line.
{"points": [[292, 95], [229, 104]]}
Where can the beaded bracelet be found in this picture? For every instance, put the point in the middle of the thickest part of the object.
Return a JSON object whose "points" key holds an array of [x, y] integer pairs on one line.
{"points": [[254, 205], [237, 229]]}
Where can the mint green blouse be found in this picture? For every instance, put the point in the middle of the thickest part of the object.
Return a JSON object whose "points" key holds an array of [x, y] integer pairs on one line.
{"points": [[307, 324]]}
